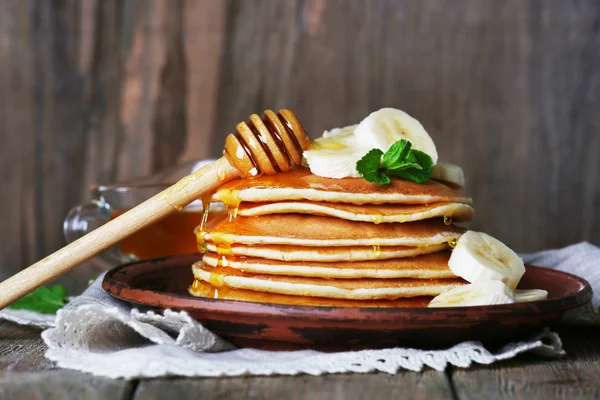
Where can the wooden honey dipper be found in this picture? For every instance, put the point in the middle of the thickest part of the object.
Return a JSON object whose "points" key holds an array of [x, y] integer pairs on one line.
{"points": [[269, 145]]}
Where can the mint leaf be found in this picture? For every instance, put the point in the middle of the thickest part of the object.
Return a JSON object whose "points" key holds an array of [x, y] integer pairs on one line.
{"points": [[395, 157], [45, 300], [399, 161], [418, 175], [368, 168]]}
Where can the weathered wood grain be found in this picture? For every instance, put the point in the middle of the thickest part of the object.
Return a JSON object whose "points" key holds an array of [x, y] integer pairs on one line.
{"points": [[62, 384], [530, 380], [204, 34], [26, 374], [574, 377], [19, 231], [91, 92], [428, 385], [21, 348]]}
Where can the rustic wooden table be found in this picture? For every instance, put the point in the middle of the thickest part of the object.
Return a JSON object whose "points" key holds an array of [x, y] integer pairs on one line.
{"points": [[25, 373]]}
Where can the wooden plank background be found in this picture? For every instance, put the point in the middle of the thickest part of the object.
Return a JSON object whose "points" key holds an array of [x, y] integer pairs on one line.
{"points": [[101, 90]]}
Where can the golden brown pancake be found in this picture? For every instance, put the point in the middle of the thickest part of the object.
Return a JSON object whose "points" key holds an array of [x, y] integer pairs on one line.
{"points": [[302, 185], [204, 289], [316, 231], [429, 266], [324, 254], [352, 289], [375, 213]]}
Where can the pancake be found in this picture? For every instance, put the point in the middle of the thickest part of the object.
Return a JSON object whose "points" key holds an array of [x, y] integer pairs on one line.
{"points": [[204, 289], [376, 213], [324, 254], [351, 289], [317, 231], [302, 185], [429, 266]]}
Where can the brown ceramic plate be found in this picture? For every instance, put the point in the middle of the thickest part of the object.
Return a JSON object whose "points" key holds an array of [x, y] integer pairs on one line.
{"points": [[163, 283]]}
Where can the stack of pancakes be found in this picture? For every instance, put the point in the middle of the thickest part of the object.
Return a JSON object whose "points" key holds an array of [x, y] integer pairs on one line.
{"points": [[298, 238]]}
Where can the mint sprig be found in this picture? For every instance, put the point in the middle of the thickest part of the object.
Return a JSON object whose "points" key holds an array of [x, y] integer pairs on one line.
{"points": [[45, 300], [399, 161]]}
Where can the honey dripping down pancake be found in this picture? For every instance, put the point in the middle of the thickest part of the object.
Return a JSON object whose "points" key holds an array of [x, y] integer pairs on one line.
{"points": [[204, 289], [317, 231], [300, 184], [296, 238], [430, 266], [350, 289]]}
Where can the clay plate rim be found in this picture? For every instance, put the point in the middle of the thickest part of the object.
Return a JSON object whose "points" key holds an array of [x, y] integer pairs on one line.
{"points": [[115, 283]]}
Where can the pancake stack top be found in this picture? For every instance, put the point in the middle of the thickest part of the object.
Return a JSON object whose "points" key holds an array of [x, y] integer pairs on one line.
{"points": [[298, 238]]}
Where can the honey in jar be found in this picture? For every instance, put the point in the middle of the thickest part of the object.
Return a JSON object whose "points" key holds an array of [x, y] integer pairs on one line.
{"points": [[170, 236]]}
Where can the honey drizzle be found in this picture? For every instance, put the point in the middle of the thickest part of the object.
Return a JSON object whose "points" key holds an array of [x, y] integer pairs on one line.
{"points": [[200, 240], [199, 231], [205, 210], [223, 249], [222, 262], [216, 279], [447, 219], [219, 273], [452, 242], [197, 285], [377, 218], [223, 244], [376, 249], [232, 200]]}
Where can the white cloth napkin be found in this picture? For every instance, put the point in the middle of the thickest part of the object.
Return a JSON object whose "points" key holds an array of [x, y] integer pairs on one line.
{"points": [[98, 334]]}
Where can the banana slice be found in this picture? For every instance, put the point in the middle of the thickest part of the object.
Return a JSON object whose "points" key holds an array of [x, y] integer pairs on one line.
{"points": [[476, 294], [385, 127], [450, 174], [522, 296], [339, 132], [480, 257], [335, 154]]}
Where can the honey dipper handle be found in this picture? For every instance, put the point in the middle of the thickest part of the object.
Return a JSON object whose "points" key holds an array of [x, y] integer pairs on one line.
{"points": [[170, 200]]}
